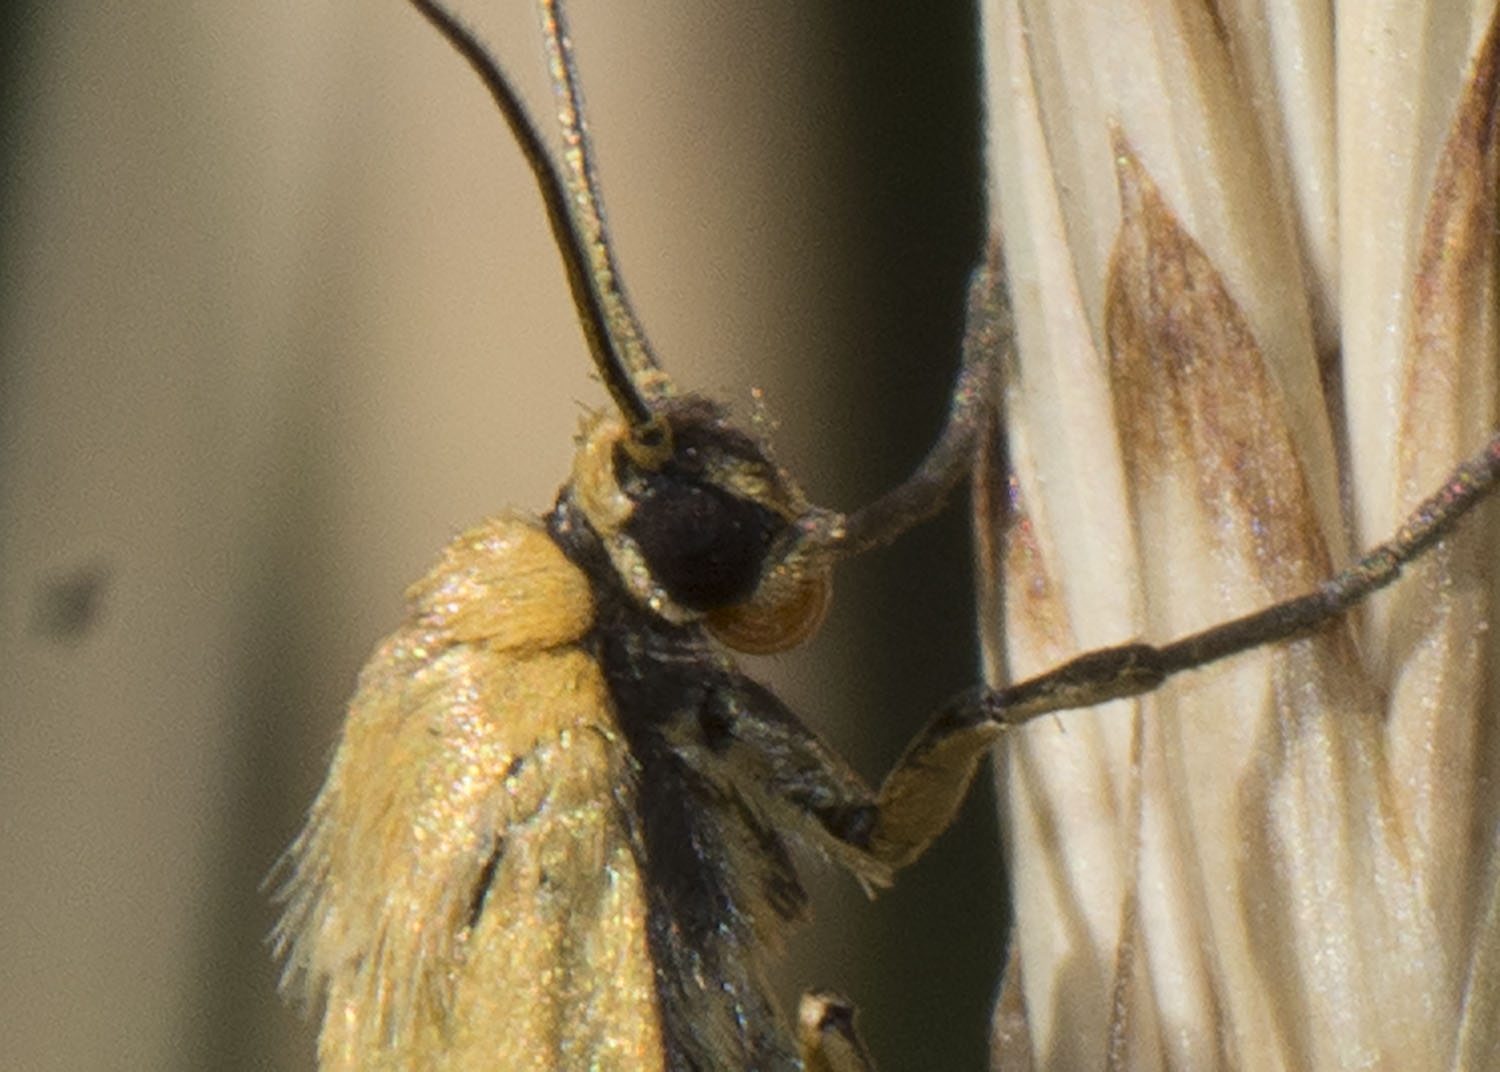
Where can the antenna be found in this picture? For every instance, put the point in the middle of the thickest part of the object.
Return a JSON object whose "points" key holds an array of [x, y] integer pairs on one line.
{"points": [[610, 329], [588, 211]]}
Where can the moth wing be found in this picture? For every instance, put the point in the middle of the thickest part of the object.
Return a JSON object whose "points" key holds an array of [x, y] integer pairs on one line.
{"points": [[467, 892]]}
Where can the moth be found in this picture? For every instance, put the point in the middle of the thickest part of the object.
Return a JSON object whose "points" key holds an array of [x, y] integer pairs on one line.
{"points": [[556, 832]]}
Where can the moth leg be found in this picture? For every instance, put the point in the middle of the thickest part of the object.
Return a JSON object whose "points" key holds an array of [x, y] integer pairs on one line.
{"points": [[1135, 668], [744, 738], [921, 795], [826, 1033], [987, 335], [923, 792]]}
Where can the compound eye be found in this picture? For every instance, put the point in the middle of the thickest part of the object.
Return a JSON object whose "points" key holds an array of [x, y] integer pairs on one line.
{"points": [[705, 546]]}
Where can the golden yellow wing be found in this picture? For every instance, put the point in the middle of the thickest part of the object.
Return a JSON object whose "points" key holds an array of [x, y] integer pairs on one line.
{"points": [[467, 892]]}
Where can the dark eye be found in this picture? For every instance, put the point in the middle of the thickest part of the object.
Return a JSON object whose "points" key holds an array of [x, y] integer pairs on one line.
{"points": [[705, 546]]}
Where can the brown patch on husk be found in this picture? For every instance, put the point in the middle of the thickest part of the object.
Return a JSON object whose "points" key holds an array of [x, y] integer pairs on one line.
{"points": [[1192, 391]]}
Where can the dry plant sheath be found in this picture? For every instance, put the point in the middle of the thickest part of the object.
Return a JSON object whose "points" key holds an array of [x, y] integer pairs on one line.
{"points": [[556, 831], [1253, 253]]}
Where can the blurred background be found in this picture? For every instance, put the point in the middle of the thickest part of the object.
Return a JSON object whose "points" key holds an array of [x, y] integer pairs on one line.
{"points": [[280, 314]]}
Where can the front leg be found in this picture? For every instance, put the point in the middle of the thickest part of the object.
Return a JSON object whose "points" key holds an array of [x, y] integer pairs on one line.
{"points": [[924, 791], [922, 794], [742, 739]]}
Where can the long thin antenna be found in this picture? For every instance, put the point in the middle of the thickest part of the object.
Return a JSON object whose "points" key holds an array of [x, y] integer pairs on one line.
{"points": [[579, 236], [584, 196]]}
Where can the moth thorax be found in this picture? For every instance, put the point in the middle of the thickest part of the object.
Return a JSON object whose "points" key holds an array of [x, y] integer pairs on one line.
{"points": [[702, 526]]}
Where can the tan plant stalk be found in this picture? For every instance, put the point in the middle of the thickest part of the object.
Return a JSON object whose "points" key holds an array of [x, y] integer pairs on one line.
{"points": [[1252, 252]]}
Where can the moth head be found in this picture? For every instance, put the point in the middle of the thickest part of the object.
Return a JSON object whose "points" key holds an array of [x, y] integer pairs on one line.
{"points": [[699, 522], [702, 525]]}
